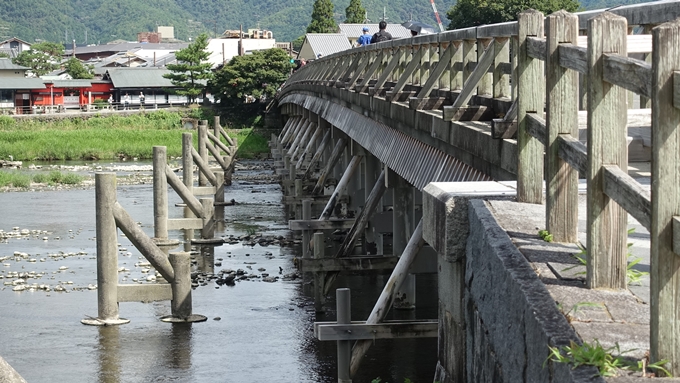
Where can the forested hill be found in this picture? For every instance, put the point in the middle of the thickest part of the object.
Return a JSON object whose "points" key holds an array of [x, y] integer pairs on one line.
{"points": [[104, 21]]}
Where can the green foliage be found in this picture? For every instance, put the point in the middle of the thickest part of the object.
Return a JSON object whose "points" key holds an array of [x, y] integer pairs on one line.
{"points": [[355, 13], [42, 58], [259, 74], [470, 13], [13, 178], [603, 359], [297, 43], [77, 70], [192, 71], [322, 18], [545, 234], [4, 55]]}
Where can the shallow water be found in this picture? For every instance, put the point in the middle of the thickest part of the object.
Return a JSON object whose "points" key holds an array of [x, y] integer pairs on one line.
{"points": [[264, 332]]}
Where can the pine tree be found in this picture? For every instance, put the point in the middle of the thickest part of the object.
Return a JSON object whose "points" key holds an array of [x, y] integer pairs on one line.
{"points": [[354, 12], [322, 18], [192, 71]]}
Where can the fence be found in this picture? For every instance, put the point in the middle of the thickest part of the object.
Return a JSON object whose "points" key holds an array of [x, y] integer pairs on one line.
{"points": [[470, 74]]}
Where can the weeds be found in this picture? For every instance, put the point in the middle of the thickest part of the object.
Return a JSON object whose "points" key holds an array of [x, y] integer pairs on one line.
{"points": [[595, 355], [633, 275], [545, 234]]}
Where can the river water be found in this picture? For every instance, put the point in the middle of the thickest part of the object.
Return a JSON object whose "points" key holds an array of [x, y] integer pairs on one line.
{"points": [[256, 331]]}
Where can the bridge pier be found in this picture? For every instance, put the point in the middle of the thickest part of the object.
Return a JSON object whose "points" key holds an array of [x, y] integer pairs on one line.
{"points": [[403, 212]]}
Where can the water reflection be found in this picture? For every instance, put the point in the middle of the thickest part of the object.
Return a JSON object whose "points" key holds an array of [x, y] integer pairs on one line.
{"points": [[178, 353], [109, 354]]}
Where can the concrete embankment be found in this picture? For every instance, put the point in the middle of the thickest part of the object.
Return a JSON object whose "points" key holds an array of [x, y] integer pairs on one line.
{"points": [[8, 374]]}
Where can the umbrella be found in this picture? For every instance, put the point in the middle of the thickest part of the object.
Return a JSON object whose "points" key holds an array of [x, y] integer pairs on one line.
{"points": [[421, 28]]}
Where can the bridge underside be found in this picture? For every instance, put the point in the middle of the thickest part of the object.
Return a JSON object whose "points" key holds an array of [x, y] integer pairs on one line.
{"points": [[417, 144]]}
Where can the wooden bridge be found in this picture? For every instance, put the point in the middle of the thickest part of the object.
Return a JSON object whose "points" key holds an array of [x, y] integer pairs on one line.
{"points": [[540, 101]]}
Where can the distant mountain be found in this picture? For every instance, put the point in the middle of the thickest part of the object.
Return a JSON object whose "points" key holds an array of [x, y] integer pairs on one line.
{"points": [[103, 21]]}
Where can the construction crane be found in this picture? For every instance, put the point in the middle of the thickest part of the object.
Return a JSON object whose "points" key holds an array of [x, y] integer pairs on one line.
{"points": [[436, 15]]}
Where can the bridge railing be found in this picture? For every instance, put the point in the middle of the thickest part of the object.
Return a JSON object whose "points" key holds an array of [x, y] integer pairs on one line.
{"points": [[555, 60], [559, 64]]}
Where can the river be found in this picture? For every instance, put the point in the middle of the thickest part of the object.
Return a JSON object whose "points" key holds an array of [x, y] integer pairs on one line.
{"points": [[256, 331]]}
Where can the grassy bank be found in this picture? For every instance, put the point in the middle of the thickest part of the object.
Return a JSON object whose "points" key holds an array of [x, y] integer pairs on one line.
{"points": [[23, 180], [112, 137]]}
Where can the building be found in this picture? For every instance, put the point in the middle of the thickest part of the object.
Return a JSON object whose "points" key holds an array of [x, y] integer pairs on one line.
{"points": [[316, 44], [15, 88], [222, 50], [14, 46], [149, 37], [71, 93], [168, 33], [353, 31], [140, 49], [150, 81]]}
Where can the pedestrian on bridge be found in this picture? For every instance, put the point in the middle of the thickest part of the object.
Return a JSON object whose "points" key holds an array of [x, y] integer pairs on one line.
{"points": [[364, 39], [382, 34]]}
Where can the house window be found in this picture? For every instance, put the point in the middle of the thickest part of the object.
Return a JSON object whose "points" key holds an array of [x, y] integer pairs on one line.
{"points": [[6, 96]]}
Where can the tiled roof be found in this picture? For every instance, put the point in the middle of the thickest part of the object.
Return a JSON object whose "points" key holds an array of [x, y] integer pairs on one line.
{"points": [[7, 64], [139, 78], [21, 83], [327, 43], [80, 83]]}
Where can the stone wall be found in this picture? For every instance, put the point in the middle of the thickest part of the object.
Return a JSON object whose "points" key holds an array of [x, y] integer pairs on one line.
{"points": [[496, 317]]}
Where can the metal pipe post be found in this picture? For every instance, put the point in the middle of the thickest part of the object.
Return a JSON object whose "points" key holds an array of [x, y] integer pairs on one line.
{"points": [[343, 304], [318, 276]]}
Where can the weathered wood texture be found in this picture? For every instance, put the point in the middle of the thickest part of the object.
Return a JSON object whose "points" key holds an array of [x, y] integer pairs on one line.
{"points": [[387, 330], [665, 264], [382, 306], [561, 180], [531, 82], [628, 193], [607, 234]]}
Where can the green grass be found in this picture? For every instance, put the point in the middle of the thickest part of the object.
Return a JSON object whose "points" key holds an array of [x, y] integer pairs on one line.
{"points": [[23, 180], [114, 137]]}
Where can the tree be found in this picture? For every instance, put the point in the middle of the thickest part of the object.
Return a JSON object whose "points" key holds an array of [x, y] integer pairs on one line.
{"points": [[322, 18], [470, 13], [258, 74], [42, 58], [355, 13], [297, 43], [192, 72], [77, 70]]}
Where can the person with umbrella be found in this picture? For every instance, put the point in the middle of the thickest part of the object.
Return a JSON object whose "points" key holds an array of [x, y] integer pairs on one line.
{"points": [[419, 28], [364, 39]]}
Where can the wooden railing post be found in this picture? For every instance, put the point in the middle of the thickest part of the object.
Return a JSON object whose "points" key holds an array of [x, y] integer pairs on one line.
{"points": [[561, 180], [501, 80], [485, 84], [202, 149], [665, 262], [607, 117], [531, 82]]}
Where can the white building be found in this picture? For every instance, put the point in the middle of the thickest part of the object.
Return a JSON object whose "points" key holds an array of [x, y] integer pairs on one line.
{"points": [[222, 50]]}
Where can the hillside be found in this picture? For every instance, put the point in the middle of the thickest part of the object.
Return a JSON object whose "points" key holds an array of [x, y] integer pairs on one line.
{"points": [[64, 20]]}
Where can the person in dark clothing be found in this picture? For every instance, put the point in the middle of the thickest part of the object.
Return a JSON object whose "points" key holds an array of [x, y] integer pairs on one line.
{"points": [[381, 35]]}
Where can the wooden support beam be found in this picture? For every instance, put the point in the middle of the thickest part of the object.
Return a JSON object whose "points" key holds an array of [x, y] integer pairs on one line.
{"points": [[573, 57], [382, 306], [481, 70], [427, 103], [185, 223], [340, 187], [363, 85], [628, 193], [335, 156], [410, 68], [607, 232], [536, 47], [531, 94], [628, 73], [315, 224], [573, 152], [561, 180], [319, 152], [442, 65], [467, 113], [144, 293], [387, 330], [664, 262], [505, 127]]}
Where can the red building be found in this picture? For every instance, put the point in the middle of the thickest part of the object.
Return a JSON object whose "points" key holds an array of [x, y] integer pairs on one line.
{"points": [[71, 93]]}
